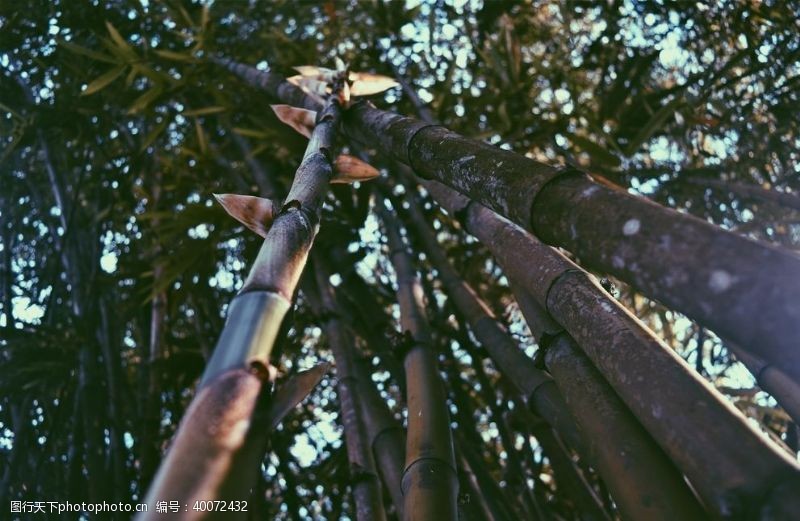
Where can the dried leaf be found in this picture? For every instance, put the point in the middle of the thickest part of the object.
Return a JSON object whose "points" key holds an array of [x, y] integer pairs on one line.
{"points": [[302, 120], [314, 72], [103, 80], [256, 213], [366, 84], [313, 88], [349, 169]]}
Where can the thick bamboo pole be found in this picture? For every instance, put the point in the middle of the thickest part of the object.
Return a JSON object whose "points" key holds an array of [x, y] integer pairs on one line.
{"points": [[741, 289], [733, 467], [365, 483], [213, 434], [643, 481], [430, 482], [534, 385]]}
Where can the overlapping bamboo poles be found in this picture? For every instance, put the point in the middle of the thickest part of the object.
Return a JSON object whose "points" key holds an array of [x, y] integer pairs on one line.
{"points": [[643, 482], [385, 435], [365, 483], [223, 426], [687, 266], [734, 468], [430, 484], [741, 289]]}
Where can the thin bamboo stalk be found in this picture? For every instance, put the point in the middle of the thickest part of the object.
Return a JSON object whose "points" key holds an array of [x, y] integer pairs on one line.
{"points": [[742, 289], [220, 423], [386, 436], [430, 482], [535, 386], [365, 484], [732, 466]]}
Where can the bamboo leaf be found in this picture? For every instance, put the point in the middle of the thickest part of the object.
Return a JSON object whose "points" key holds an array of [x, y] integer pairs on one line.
{"points": [[302, 120], [256, 213], [349, 169], [597, 152], [657, 121], [143, 101], [201, 136], [367, 84], [249, 132], [153, 135], [175, 56], [205, 111], [123, 45], [83, 51], [103, 80]]}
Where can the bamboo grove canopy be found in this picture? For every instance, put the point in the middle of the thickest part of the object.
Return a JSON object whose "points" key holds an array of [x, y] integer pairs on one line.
{"points": [[488, 260]]}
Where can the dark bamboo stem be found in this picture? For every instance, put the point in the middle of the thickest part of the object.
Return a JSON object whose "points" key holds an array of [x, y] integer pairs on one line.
{"points": [[730, 464], [230, 392], [535, 386], [365, 484], [430, 484], [385, 434]]}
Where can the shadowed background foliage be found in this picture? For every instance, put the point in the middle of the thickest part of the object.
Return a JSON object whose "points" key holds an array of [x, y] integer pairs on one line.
{"points": [[116, 268]]}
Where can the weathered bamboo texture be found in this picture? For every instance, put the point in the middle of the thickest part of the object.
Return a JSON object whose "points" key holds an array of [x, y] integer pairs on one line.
{"points": [[735, 469], [741, 289], [219, 428], [642, 480], [430, 482], [365, 484], [535, 386]]}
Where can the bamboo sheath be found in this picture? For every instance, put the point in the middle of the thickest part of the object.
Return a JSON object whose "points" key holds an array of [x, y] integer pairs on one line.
{"points": [[220, 430], [741, 289], [430, 482]]}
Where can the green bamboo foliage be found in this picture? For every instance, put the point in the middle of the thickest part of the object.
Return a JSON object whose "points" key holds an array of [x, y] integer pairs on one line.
{"points": [[232, 389], [728, 463], [430, 484]]}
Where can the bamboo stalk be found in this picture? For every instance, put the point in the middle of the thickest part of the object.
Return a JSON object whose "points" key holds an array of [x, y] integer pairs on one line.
{"points": [[217, 422], [365, 485], [385, 434], [430, 482], [642, 480], [570, 483], [535, 386], [741, 289], [772, 380], [732, 466]]}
